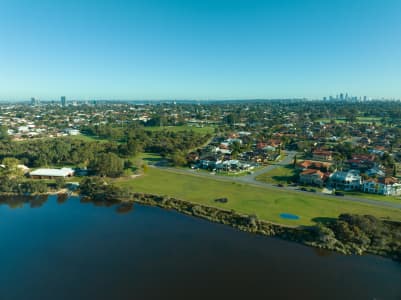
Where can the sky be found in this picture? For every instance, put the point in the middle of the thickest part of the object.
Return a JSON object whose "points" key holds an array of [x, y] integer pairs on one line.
{"points": [[206, 49]]}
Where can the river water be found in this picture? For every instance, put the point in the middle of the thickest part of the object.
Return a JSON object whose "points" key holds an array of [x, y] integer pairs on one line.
{"points": [[71, 250]]}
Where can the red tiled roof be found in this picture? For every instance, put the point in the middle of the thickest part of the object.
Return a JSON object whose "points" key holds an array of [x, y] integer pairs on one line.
{"points": [[312, 172]]}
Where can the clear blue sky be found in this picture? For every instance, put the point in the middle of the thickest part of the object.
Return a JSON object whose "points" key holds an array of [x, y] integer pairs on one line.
{"points": [[199, 49]]}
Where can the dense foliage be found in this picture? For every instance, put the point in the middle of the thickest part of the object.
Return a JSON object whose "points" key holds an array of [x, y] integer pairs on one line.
{"points": [[137, 138], [39, 153], [97, 188], [359, 234]]}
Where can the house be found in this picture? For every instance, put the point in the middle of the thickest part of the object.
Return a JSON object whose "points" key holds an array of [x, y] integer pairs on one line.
{"points": [[274, 143], [71, 131], [375, 172], [311, 176], [362, 161], [322, 155], [318, 165], [52, 173], [348, 181], [388, 186]]}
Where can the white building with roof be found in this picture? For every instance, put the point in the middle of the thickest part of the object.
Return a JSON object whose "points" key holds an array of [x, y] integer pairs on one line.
{"points": [[348, 181], [52, 173]]}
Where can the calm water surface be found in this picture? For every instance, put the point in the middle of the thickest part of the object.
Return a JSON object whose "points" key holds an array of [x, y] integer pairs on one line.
{"points": [[70, 250]]}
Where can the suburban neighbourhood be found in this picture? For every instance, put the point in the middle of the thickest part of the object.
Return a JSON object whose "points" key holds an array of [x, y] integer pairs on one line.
{"points": [[352, 149]]}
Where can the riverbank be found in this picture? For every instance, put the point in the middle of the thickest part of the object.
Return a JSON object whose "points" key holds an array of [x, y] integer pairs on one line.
{"points": [[268, 203], [324, 236], [349, 234]]}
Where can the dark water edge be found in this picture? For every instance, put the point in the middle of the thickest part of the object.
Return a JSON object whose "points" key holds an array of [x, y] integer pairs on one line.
{"points": [[69, 250]]}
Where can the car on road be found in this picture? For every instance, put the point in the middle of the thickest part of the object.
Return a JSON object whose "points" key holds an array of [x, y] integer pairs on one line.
{"points": [[339, 194], [304, 189], [280, 185]]}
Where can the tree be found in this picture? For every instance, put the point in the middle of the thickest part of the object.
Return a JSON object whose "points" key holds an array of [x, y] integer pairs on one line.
{"points": [[107, 164], [99, 190], [230, 119], [4, 134], [60, 183], [11, 169], [179, 159], [132, 146], [91, 186]]}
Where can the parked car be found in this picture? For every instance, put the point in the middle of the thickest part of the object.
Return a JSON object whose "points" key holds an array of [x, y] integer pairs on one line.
{"points": [[304, 189], [312, 190], [339, 194], [280, 185]]}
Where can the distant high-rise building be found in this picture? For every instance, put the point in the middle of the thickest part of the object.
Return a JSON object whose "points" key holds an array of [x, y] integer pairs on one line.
{"points": [[34, 101], [63, 101], [341, 96]]}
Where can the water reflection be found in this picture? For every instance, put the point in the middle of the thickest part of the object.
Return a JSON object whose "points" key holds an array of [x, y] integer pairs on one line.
{"points": [[85, 249], [14, 202], [125, 208], [62, 198], [322, 252], [37, 201]]}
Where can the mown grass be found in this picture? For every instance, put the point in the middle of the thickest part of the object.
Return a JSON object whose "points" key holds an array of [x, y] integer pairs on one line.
{"points": [[202, 130], [360, 120], [87, 138], [266, 203], [356, 194], [279, 175]]}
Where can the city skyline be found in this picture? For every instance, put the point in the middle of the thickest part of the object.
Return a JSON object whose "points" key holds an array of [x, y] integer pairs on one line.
{"points": [[209, 50]]}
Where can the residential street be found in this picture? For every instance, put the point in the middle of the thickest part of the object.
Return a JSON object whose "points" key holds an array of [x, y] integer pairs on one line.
{"points": [[251, 180]]}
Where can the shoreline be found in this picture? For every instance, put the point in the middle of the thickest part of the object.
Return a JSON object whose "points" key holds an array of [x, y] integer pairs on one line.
{"points": [[312, 236]]}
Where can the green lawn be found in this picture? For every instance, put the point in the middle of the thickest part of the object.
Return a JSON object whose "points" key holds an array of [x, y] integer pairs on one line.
{"points": [[148, 158], [266, 203], [203, 130], [360, 120], [278, 175], [87, 138], [394, 199]]}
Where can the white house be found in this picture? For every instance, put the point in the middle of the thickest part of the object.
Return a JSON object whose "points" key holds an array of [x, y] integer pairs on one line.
{"points": [[382, 186], [347, 181], [72, 131]]}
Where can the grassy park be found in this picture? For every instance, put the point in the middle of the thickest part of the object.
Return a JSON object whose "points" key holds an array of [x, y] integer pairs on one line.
{"points": [[360, 120], [266, 203], [202, 130], [279, 175]]}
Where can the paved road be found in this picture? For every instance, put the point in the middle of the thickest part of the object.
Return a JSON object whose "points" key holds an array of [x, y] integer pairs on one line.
{"points": [[251, 180]]}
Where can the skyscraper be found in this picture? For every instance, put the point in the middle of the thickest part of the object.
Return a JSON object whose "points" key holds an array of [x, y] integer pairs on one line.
{"points": [[63, 101]]}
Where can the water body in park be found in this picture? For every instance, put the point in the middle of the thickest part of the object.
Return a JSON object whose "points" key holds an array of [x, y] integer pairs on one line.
{"points": [[66, 249], [289, 216]]}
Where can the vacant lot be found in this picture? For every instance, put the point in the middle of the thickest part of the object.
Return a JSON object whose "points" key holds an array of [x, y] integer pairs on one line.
{"points": [[266, 203], [278, 175]]}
